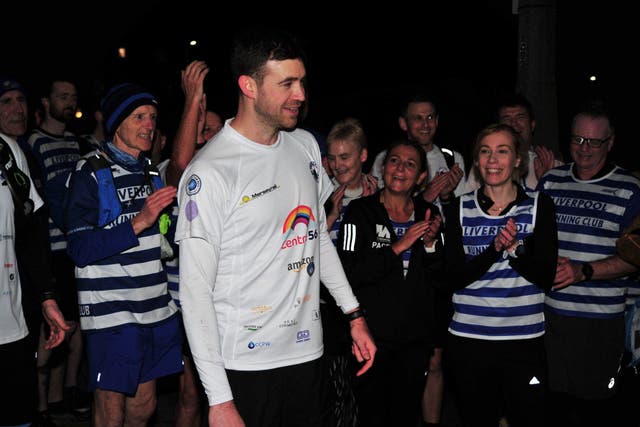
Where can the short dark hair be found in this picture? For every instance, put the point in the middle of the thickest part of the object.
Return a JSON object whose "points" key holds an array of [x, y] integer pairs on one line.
{"points": [[418, 98], [514, 99], [253, 47], [422, 155]]}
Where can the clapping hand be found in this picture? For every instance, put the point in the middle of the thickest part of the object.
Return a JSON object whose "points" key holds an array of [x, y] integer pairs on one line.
{"points": [[507, 237]]}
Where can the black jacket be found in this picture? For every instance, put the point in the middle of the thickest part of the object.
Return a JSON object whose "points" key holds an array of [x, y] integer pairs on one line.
{"points": [[399, 309]]}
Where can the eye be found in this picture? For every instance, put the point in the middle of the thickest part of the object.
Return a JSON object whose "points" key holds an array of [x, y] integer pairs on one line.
{"points": [[411, 165]]}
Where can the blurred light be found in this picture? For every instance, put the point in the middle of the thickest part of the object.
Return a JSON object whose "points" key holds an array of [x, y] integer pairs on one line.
{"points": [[122, 52], [78, 114], [193, 42], [592, 78]]}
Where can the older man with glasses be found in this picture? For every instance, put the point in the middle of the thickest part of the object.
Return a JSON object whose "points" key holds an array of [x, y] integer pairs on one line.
{"points": [[585, 331]]}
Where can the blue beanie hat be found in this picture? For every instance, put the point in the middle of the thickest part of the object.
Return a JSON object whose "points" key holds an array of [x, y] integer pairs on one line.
{"points": [[120, 101]]}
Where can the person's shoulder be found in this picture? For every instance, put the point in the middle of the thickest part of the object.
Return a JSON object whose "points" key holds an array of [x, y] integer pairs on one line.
{"points": [[300, 135], [627, 176], [365, 204], [13, 144], [34, 135]]}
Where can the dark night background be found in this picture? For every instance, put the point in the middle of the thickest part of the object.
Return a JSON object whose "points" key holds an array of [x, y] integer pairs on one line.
{"points": [[359, 63]]}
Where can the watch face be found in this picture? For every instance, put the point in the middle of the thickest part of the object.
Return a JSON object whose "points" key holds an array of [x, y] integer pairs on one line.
{"points": [[587, 270]]}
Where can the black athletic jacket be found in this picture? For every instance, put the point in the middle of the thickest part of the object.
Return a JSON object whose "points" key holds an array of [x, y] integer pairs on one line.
{"points": [[399, 310]]}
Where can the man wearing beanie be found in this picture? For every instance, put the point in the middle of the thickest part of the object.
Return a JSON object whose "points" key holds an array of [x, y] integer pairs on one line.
{"points": [[13, 108], [130, 320]]}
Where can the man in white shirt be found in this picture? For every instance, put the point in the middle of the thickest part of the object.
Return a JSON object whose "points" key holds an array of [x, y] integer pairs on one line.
{"points": [[419, 118], [254, 246]]}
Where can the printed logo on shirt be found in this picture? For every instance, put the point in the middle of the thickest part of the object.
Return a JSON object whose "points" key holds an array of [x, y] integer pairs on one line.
{"points": [[261, 309], [382, 233], [246, 199], [301, 215], [191, 210], [252, 327], [315, 170], [303, 336], [297, 266], [259, 344], [288, 323], [383, 237], [84, 310], [315, 315], [193, 185]]}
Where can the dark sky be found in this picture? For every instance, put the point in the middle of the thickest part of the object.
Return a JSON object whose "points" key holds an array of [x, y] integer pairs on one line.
{"points": [[359, 63]]}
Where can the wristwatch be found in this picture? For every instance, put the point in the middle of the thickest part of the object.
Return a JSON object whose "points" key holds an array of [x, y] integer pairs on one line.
{"points": [[587, 270], [358, 312]]}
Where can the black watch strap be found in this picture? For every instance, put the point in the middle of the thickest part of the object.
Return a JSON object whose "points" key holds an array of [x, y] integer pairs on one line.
{"points": [[587, 271], [359, 312]]}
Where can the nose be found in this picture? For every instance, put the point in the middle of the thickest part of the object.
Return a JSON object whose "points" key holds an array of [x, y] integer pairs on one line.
{"points": [[299, 92]]}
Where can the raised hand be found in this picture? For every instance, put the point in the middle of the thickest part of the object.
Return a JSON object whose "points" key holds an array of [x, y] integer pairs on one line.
{"points": [[433, 225], [544, 160], [153, 206]]}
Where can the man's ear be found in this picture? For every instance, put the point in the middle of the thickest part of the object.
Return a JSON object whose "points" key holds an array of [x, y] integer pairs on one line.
{"points": [[364, 153], [402, 123], [248, 86]]}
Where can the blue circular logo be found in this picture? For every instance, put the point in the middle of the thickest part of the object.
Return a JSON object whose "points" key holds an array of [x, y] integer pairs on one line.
{"points": [[193, 185]]}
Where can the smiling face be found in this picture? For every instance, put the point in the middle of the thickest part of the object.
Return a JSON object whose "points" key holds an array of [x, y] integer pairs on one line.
{"points": [[420, 123], [497, 158], [589, 160], [135, 133], [345, 159], [402, 169], [13, 113], [280, 93]]}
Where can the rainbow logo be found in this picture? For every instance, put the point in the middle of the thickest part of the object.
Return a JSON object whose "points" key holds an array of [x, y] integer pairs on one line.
{"points": [[299, 215]]}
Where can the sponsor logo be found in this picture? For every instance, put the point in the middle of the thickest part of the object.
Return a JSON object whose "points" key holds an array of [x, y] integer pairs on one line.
{"points": [[300, 215], [259, 344], [261, 309], [297, 266], [315, 170], [303, 336], [247, 199], [288, 323], [382, 233], [315, 315], [252, 327], [193, 185]]}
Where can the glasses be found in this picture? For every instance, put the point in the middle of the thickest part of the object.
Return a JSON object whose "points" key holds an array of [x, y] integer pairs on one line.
{"points": [[592, 142]]}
